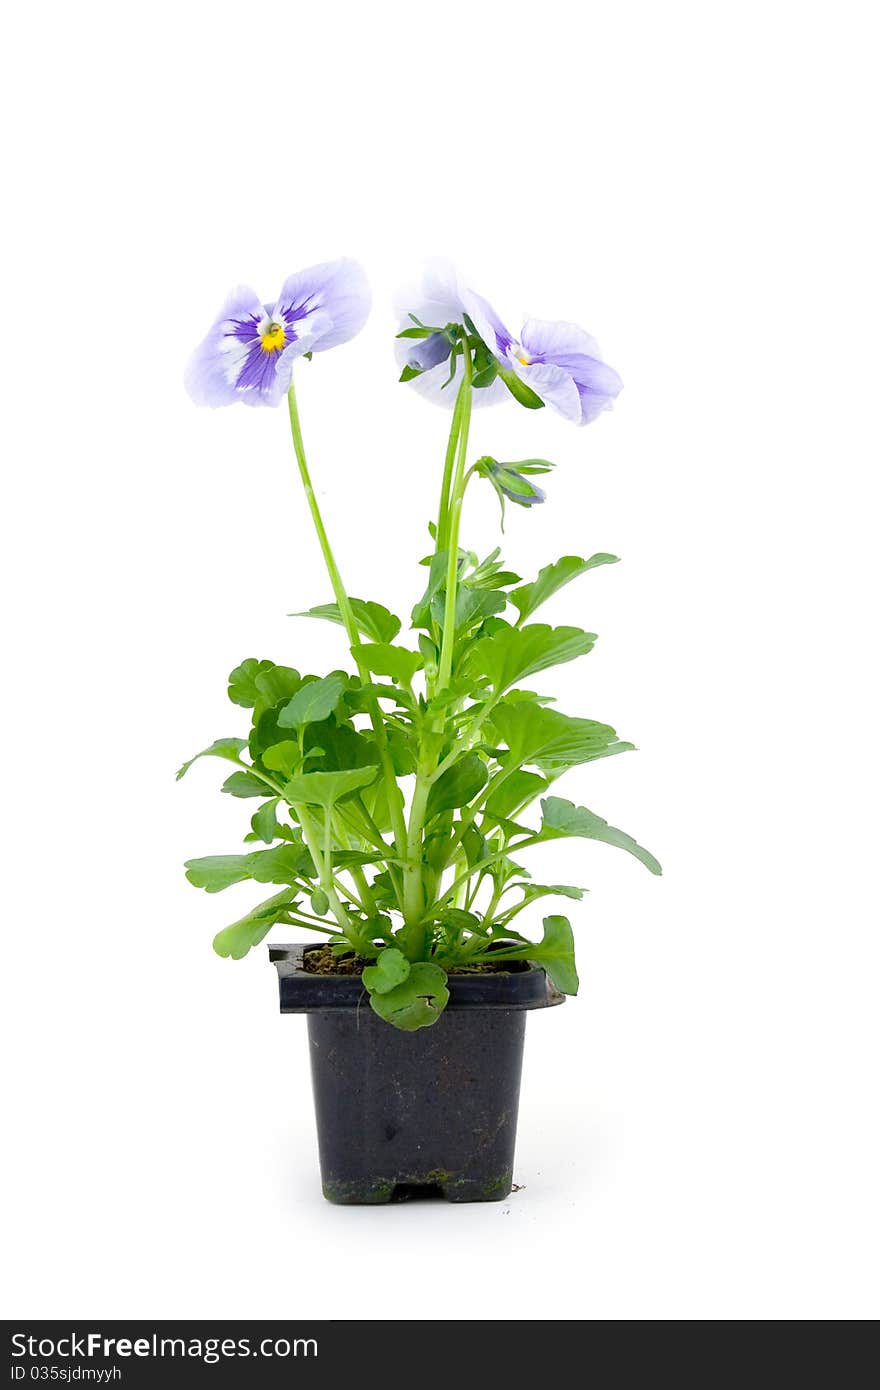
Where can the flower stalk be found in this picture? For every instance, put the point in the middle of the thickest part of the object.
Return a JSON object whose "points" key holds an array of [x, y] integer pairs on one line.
{"points": [[444, 672], [395, 800]]}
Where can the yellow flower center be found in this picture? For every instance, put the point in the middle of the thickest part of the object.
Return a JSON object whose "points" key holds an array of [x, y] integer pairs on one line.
{"points": [[523, 358], [273, 339]]}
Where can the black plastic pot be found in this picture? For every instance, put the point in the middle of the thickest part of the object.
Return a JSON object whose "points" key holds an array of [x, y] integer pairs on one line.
{"points": [[401, 1113]]}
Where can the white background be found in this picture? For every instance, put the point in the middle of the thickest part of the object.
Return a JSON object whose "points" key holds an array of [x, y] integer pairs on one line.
{"points": [[694, 184]]}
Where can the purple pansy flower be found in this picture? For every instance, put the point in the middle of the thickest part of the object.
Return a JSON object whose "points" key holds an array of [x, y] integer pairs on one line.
{"points": [[248, 354], [558, 361], [440, 300]]}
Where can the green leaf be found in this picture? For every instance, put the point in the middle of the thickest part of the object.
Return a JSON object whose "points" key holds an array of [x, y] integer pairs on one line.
{"points": [[390, 970], [430, 653], [313, 701], [550, 740], [228, 748], [514, 653], [563, 818], [326, 788], [515, 792], [556, 953], [343, 747], [533, 891], [236, 940], [355, 858], [217, 871], [266, 730], [485, 375], [519, 694], [422, 612], [503, 870], [264, 823], [258, 685], [243, 784], [385, 660], [274, 685], [518, 389], [532, 466], [552, 578], [371, 619], [490, 573], [458, 785], [474, 845], [383, 889], [471, 606], [459, 920], [284, 864], [511, 827], [242, 687], [417, 1002], [284, 757]]}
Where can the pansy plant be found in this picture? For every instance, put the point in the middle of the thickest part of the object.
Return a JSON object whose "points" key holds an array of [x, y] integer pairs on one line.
{"points": [[393, 799]]}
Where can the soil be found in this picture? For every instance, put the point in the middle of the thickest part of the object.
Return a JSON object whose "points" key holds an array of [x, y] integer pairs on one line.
{"points": [[322, 961]]}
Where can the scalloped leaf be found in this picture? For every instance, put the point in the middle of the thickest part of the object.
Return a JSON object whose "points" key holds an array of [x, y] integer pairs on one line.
{"points": [[552, 578], [562, 818]]}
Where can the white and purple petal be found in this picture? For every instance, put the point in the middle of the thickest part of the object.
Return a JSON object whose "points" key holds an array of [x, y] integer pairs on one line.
{"points": [[575, 352], [429, 352], [328, 303], [441, 299], [552, 339], [494, 333], [212, 371], [249, 352], [553, 384]]}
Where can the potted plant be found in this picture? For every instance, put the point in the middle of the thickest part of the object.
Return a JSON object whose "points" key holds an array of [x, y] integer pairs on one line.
{"points": [[394, 799]]}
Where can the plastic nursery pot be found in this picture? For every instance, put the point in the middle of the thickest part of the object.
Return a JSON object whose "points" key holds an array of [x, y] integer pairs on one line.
{"points": [[404, 1114]]}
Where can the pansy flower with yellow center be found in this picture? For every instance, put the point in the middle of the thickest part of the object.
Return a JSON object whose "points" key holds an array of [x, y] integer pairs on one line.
{"points": [[249, 352]]}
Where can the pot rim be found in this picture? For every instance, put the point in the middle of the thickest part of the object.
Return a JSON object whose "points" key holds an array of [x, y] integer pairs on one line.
{"points": [[301, 991]]}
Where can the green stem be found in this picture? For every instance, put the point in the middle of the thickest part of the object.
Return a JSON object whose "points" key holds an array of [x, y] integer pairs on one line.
{"points": [[355, 815], [364, 899], [465, 395], [395, 800], [308, 919], [454, 429], [295, 920], [282, 899], [491, 909], [324, 866], [469, 814], [345, 610], [413, 888], [460, 896], [276, 787], [485, 863], [504, 919], [413, 879], [471, 740]]}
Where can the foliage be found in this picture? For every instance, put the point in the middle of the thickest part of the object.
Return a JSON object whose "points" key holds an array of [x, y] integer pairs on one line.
{"points": [[397, 792]]}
